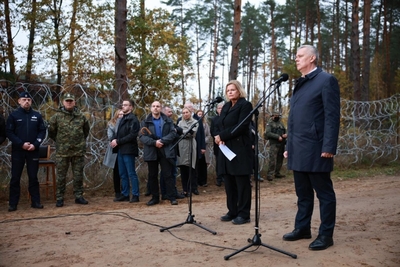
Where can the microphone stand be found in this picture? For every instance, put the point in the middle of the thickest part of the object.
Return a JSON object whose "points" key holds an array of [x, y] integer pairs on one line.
{"points": [[190, 218], [256, 240]]}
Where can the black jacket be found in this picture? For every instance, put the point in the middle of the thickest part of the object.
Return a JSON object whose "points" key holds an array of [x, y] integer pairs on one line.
{"points": [[2, 129], [239, 141], [126, 135], [25, 126]]}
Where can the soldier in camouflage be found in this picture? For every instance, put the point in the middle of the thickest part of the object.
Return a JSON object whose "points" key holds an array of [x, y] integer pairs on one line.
{"points": [[69, 128], [275, 132]]}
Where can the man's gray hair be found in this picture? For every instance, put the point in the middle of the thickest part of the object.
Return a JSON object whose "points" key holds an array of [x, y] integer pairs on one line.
{"points": [[312, 50]]}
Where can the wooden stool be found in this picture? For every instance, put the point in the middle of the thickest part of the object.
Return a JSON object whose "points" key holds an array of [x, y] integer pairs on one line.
{"points": [[50, 165]]}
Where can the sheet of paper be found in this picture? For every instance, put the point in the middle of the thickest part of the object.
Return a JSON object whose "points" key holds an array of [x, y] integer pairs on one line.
{"points": [[227, 152]]}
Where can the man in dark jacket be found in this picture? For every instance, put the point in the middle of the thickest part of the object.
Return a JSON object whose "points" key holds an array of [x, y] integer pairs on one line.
{"points": [[125, 142], [158, 134], [313, 128], [26, 130], [69, 128], [3, 135]]}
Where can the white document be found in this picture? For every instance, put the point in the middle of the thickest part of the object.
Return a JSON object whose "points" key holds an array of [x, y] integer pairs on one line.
{"points": [[227, 152]]}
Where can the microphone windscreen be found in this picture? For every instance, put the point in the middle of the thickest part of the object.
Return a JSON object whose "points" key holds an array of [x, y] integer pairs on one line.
{"points": [[285, 77]]}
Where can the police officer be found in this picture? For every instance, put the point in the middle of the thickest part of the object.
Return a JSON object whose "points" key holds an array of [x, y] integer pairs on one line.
{"points": [[275, 132], [26, 130], [69, 128]]}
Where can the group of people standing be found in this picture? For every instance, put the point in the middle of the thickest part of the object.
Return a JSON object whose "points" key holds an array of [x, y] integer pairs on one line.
{"points": [[312, 136], [162, 151]]}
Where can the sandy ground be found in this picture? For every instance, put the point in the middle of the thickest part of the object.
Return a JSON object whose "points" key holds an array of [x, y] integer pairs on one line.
{"points": [[105, 233]]}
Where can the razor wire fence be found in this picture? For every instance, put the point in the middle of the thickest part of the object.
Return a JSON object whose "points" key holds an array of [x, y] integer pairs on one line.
{"points": [[369, 130]]}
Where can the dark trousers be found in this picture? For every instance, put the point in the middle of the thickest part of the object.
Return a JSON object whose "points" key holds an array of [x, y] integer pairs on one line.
{"points": [[187, 174], [18, 159], [202, 171], [238, 195], [116, 179], [166, 172], [305, 184]]}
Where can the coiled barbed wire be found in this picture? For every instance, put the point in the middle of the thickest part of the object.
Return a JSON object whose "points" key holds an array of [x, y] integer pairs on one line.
{"points": [[369, 130]]}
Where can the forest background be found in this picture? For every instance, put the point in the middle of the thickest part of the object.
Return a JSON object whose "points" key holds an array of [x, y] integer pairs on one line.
{"points": [[104, 51]]}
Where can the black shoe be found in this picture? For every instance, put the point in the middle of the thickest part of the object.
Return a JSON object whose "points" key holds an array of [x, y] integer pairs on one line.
{"points": [[153, 201], [260, 179], [196, 192], [60, 203], [134, 199], [147, 193], [227, 218], [81, 200], [218, 183], [121, 198], [279, 176], [297, 234], [36, 205], [204, 185], [174, 202], [240, 220], [321, 242], [163, 197], [180, 196], [12, 208], [269, 178]]}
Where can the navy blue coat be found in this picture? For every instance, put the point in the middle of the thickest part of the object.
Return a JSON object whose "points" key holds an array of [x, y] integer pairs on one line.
{"points": [[239, 142], [313, 124], [25, 126]]}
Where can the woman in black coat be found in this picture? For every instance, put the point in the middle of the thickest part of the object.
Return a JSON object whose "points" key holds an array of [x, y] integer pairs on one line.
{"points": [[236, 172]]}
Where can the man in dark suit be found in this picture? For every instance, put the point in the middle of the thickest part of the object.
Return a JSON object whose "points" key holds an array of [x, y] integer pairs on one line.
{"points": [[313, 128]]}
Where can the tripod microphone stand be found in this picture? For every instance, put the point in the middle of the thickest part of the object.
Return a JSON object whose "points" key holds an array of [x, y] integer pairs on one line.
{"points": [[190, 218], [256, 240]]}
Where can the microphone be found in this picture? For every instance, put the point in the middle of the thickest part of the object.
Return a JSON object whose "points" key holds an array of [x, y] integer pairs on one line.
{"points": [[218, 99], [283, 78]]}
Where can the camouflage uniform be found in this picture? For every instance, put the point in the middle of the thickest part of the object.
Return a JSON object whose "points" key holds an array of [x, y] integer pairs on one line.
{"points": [[69, 130], [273, 131]]}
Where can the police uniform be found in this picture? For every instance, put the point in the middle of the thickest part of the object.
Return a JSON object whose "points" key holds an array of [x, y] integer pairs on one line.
{"points": [[273, 131], [25, 125]]}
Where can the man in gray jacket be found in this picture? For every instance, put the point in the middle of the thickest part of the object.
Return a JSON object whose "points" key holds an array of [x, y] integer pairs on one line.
{"points": [[157, 134]]}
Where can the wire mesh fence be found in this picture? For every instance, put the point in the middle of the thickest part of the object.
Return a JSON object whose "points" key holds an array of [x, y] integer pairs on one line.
{"points": [[369, 131]]}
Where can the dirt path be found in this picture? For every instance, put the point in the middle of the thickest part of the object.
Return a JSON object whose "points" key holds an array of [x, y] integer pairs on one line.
{"points": [[105, 233]]}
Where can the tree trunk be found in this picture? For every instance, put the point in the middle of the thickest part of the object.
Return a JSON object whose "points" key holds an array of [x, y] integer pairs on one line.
{"points": [[71, 45], [233, 71], [366, 51], [355, 52], [120, 92], [31, 42], [10, 44]]}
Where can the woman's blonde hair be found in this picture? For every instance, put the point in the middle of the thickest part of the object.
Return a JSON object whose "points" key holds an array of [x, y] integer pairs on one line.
{"points": [[114, 119], [239, 87]]}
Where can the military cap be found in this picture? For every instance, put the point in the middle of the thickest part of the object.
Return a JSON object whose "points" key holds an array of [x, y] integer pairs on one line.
{"points": [[25, 95], [69, 96]]}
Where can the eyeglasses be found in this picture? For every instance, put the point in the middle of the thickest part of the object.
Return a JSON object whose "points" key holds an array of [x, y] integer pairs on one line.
{"points": [[121, 114], [125, 105]]}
